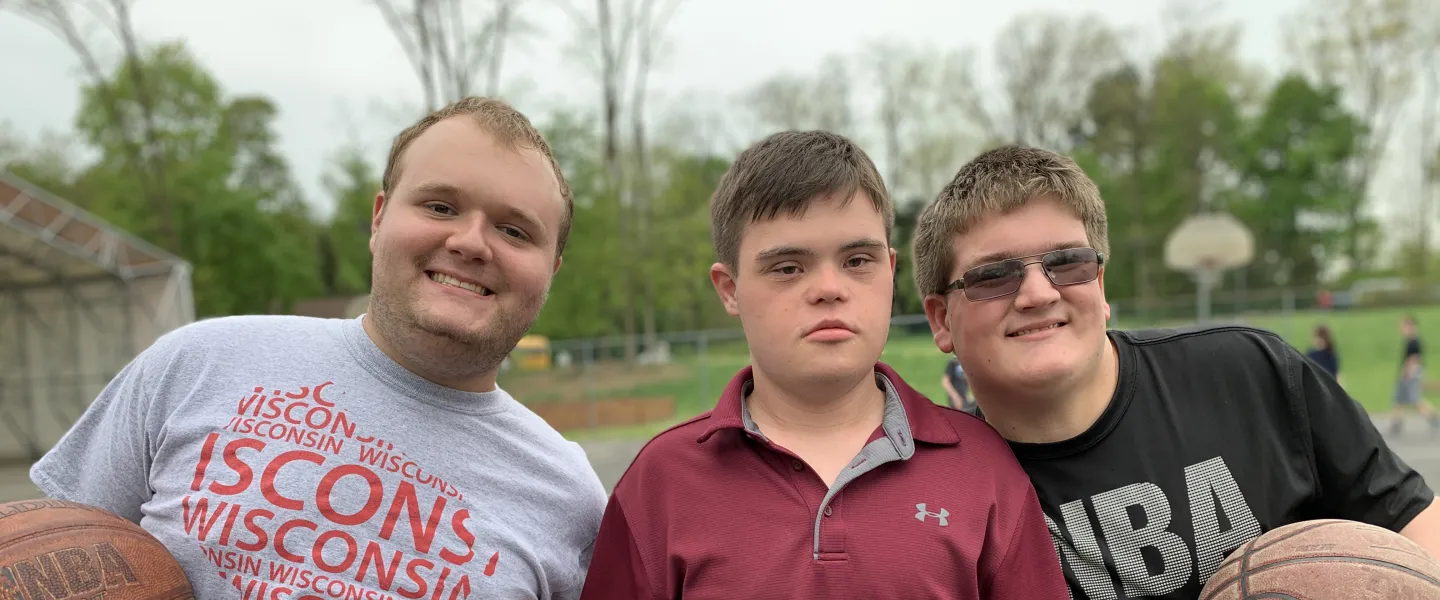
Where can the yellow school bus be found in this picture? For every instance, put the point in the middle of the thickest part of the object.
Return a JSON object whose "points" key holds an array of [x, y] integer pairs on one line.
{"points": [[532, 353]]}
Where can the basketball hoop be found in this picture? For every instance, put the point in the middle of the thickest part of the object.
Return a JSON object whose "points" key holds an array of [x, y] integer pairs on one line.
{"points": [[1206, 245]]}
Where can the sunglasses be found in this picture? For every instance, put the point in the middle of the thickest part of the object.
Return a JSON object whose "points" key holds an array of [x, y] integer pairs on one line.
{"points": [[1069, 266]]}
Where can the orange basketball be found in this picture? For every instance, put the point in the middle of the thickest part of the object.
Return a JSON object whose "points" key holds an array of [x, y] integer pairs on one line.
{"points": [[1327, 559], [58, 549]]}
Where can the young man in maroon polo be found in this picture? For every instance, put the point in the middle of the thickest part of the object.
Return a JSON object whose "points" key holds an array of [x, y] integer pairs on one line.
{"points": [[820, 473]]}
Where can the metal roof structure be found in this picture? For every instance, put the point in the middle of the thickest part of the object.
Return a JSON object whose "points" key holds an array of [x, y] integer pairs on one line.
{"points": [[79, 299]]}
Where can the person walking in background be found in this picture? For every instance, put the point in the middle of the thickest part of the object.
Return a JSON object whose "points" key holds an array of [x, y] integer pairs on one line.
{"points": [[1409, 388], [1323, 351], [957, 388]]}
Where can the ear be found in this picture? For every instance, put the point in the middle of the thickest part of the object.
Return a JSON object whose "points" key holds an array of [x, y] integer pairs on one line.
{"points": [[724, 283], [375, 218], [894, 263], [1101, 281], [938, 314]]}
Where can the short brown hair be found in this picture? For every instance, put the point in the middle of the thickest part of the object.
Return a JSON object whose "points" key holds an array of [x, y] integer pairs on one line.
{"points": [[783, 173], [998, 181], [509, 127]]}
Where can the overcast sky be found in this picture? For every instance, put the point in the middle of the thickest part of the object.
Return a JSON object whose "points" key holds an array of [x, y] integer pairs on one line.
{"points": [[338, 75]]}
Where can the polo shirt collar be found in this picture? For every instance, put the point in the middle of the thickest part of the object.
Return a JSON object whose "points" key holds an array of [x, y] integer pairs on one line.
{"points": [[908, 413]]}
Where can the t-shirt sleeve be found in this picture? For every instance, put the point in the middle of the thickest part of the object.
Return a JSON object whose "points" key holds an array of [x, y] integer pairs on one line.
{"points": [[104, 459], [1360, 477]]}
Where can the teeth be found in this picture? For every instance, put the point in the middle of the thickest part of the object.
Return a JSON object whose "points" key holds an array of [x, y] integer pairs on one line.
{"points": [[1030, 331], [448, 280]]}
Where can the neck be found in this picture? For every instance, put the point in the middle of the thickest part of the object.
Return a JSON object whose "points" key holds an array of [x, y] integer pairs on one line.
{"points": [[440, 361], [1055, 413], [850, 405]]}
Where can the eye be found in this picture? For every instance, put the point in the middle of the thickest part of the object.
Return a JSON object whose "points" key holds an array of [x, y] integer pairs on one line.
{"points": [[787, 269], [986, 273], [440, 207], [514, 232], [858, 261]]}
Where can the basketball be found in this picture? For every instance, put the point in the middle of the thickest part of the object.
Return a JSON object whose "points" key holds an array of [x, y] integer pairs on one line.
{"points": [[58, 549], [1327, 559]]}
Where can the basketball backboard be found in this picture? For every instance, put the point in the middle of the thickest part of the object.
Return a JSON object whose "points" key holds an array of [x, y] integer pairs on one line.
{"points": [[1206, 245], [1214, 241]]}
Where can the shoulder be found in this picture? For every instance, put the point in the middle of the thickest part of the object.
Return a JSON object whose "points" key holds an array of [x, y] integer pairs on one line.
{"points": [[982, 456], [227, 339], [237, 331], [223, 348], [979, 442], [1208, 345], [563, 462], [677, 447], [546, 440], [1222, 363]]}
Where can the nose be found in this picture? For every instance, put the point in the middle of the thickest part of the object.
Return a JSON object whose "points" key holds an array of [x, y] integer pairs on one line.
{"points": [[826, 285], [470, 240], [1036, 291]]}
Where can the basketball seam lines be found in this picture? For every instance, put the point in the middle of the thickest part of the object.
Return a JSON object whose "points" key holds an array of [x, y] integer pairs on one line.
{"points": [[90, 527], [1359, 559], [1251, 549]]}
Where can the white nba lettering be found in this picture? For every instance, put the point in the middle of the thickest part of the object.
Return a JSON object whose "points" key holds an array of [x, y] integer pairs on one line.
{"points": [[1207, 481], [1125, 540], [1081, 554]]}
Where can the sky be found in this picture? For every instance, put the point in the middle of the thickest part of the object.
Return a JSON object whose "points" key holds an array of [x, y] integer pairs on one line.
{"points": [[339, 77]]}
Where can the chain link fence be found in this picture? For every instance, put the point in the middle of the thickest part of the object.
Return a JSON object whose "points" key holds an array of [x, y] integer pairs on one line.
{"points": [[599, 383]]}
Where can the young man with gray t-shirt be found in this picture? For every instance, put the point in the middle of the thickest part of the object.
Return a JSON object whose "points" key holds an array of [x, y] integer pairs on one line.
{"points": [[282, 457]]}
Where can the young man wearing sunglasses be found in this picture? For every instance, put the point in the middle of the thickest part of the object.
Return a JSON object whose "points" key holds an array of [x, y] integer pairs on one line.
{"points": [[1154, 453], [819, 473]]}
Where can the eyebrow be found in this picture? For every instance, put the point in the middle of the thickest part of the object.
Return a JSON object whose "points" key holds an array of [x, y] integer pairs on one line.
{"points": [[435, 188], [1009, 254], [796, 251]]}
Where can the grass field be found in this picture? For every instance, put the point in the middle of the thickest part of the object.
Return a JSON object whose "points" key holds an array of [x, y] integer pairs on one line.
{"points": [[1368, 341]]}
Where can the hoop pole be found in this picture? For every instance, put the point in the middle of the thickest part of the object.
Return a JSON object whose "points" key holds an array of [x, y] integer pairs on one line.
{"points": [[1204, 280]]}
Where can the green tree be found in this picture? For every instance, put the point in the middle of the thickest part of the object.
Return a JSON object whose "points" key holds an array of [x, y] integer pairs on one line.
{"points": [[1297, 181], [246, 227], [345, 250]]}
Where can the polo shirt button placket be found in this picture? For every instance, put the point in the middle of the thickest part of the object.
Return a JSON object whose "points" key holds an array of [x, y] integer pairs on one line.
{"points": [[797, 465], [828, 511]]}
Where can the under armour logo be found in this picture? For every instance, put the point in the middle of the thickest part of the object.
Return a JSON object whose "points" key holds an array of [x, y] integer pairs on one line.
{"points": [[942, 515]]}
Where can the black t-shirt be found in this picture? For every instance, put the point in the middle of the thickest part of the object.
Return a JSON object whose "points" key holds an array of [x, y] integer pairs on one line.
{"points": [[1412, 348], [1215, 435]]}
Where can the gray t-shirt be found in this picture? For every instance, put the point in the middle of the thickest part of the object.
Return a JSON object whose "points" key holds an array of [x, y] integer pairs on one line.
{"points": [[288, 458]]}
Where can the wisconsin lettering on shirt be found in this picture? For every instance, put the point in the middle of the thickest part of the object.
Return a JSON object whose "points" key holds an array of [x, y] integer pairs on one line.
{"points": [[342, 514]]}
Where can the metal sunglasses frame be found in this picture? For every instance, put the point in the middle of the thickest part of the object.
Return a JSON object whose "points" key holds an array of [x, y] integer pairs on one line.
{"points": [[959, 284]]}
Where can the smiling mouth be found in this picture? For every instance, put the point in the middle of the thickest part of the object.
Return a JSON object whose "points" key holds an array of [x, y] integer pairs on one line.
{"points": [[451, 281], [1034, 330]]}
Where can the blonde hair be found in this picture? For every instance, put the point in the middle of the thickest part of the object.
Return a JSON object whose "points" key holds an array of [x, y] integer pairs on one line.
{"points": [[509, 126], [999, 181]]}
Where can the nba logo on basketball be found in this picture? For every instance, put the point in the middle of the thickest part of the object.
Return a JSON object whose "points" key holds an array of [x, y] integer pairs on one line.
{"points": [[59, 550], [66, 573]]}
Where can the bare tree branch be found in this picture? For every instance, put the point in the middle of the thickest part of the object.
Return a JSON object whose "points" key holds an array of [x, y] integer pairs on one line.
{"points": [[1366, 48], [138, 140], [450, 42]]}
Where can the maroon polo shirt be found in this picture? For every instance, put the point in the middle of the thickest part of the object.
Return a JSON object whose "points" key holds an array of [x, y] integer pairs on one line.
{"points": [[934, 507]]}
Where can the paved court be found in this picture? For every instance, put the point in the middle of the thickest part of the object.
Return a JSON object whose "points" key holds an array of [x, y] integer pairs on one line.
{"points": [[1415, 444]]}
